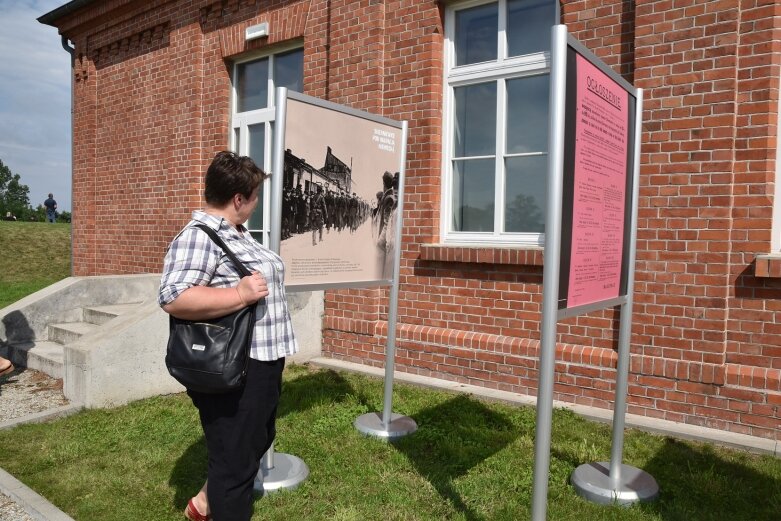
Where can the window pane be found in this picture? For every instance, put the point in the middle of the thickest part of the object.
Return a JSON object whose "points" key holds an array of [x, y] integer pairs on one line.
{"points": [[473, 195], [529, 25], [527, 114], [256, 135], [289, 70], [255, 222], [525, 187], [476, 34], [475, 122], [252, 85], [257, 141]]}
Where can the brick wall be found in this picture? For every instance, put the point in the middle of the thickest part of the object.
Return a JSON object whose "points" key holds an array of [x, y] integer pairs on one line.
{"points": [[152, 86]]}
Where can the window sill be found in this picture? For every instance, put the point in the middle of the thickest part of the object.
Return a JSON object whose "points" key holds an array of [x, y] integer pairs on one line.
{"points": [[768, 265], [518, 255]]}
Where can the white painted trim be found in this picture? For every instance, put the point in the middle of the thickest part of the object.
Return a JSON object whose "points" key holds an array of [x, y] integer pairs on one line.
{"points": [[500, 70], [265, 116]]}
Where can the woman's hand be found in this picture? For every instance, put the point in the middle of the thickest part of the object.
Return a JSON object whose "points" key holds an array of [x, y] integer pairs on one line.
{"points": [[203, 302], [252, 288]]}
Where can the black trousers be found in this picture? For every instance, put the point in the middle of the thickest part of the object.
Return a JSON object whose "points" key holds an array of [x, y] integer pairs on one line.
{"points": [[239, 427]]}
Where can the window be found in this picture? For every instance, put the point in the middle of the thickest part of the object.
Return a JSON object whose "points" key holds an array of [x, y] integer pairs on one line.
{"points": [[252, 120], [496, 124]]}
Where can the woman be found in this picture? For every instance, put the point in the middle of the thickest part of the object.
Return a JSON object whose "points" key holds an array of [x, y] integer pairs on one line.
{"points": [[199, 282]]}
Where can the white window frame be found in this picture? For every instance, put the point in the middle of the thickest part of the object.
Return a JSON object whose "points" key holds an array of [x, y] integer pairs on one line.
{"points": [[458, 76], [241, 121]]}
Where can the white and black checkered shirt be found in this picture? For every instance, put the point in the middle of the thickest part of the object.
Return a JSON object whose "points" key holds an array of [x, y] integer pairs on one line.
{"points": [[194, 259]]}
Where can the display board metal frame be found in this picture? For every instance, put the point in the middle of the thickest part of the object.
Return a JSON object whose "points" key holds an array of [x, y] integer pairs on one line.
{"points": [[599, 482], [281, 145], [386, 425]]}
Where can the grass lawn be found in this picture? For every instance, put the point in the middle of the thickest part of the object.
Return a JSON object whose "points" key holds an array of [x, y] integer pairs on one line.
{"points": [[34, 255], [469, 460]]}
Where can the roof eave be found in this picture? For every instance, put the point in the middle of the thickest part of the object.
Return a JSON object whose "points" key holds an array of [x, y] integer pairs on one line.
{"points": [[52, 17]]}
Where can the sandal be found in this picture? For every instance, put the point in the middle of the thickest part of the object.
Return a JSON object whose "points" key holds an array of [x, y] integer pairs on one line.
{"points": [[191, 513], [7, 369]]}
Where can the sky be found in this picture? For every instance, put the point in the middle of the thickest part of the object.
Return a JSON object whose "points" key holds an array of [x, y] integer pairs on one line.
{"points": [[35, 101]]}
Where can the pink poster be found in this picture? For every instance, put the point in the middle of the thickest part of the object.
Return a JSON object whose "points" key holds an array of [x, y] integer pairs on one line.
{"points": [[600, 170]]}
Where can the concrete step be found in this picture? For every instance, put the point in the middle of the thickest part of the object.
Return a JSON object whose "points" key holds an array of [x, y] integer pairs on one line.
{"points": [[69, 332], [45, 356], [102, 314]]}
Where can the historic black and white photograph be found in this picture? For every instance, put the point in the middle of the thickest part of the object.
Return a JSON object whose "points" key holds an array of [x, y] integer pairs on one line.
{"points": [[339, 196]]}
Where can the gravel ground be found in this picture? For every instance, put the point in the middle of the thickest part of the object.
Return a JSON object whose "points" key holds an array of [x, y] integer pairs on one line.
{"points": [[10, 511], [26, 391], [23, 392]]}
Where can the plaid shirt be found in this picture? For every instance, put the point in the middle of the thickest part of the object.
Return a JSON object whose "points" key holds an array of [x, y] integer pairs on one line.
{"points": [[194, 259]]}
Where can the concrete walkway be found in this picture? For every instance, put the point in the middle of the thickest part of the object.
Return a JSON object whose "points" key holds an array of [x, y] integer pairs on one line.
{"points": [[36, 506]]}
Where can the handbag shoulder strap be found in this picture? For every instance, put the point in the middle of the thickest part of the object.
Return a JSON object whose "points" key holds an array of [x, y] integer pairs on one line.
{"points": [[217, 240]]}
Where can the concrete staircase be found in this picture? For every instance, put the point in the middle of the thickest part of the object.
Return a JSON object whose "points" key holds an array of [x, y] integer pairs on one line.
{"points": [[106, 336], [48, 355]]}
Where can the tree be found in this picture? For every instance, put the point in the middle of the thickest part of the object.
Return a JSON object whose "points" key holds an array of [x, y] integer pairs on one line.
{"points": [[14, 196]]}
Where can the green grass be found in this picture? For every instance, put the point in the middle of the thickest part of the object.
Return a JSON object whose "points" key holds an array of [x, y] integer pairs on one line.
{"points": [[469, 460], [34, 255]]}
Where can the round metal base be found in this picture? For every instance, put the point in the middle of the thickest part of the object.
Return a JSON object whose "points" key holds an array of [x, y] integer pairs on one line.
{"points": [[592, 481], [287, 473], [371, 424]]}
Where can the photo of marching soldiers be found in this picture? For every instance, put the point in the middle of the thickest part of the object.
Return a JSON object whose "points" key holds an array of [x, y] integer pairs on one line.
{"points": [[322, 205]]}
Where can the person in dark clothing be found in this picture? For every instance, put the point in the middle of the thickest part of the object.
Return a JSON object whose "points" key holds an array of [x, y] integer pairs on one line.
{"points": [[51, 209], [318, 214]]}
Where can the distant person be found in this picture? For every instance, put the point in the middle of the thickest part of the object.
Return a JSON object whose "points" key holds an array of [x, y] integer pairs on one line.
{"points": [[5, 366], [9, 216], [51, 209]]}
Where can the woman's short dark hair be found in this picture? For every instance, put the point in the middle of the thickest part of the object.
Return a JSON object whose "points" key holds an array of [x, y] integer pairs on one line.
{"points": [[230, 174]]}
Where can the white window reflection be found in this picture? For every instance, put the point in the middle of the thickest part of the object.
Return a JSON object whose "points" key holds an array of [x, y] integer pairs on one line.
{"points": [[528, 26], [525, 194], [473, 195], [253, 118], [476, 34], [527, 114], [475, 121], [498, 85], [252, 85], [288, 70]]}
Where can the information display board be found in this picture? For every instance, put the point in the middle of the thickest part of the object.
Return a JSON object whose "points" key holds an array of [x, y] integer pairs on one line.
{"points": [[340, 198], [590, 234], [597, 185]]}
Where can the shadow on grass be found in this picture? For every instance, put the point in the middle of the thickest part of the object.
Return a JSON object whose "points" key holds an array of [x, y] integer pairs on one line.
{"points": [[189, 473], [452, 438], [697, 483], [304, 392], [298, 395]]}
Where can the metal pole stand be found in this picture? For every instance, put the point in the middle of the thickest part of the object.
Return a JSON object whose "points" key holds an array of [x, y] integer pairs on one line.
{"points": [[390, 425], [398, 426], [592, 481], [279, 472]]}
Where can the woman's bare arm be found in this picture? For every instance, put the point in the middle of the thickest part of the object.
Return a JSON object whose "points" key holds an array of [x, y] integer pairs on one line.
{"points": [[203, 302]]}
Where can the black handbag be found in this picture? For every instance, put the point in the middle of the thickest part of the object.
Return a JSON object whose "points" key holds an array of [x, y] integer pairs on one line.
{"points": [[211, 356]]}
